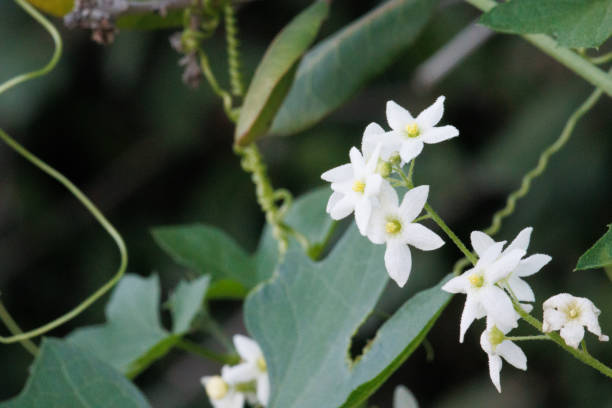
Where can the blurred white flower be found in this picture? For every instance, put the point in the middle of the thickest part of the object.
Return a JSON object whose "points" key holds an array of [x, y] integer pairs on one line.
{"points": [[404, 398], [570, 314], [252, 367], [356, 186], [496, 346], [408, 133], [221, 394], [391, 223], [484, 297], [526, 267]]}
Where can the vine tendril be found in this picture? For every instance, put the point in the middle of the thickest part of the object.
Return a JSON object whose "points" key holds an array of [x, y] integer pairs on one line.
{"points": [[233, 52], [23, 337]]}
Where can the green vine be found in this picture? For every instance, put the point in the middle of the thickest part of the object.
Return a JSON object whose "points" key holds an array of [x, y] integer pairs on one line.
{"points": [[233, 52], [5, 316]]}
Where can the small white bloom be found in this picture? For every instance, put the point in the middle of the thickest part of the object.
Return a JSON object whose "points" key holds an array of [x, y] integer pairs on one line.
{"points": [[526, 267], [484, 297], [404, 398], [496, 346], [392, 224], [253, 367], [408, 134], [569, 314], [356, 186], [221, 394], [375, 135]]}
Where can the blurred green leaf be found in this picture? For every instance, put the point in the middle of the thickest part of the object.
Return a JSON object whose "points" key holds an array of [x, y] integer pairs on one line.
{"points": [[151, 21], [66, 376], [275, 72], [305, 317], [336, 68], [574, 23], [209, 250], [57, 8], [599, 255], [133, 337]]}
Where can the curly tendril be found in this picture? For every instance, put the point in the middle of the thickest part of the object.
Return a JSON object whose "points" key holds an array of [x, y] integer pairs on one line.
{"points": [[233, 52], [18, 336]]}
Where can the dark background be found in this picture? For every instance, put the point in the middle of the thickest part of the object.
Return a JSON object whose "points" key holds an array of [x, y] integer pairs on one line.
{"points": [[118, 122]]}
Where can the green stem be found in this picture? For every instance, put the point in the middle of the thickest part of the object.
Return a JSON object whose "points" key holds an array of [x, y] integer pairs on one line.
{"points": [[198, 350], [468, 254], [54, 58], [581, 355], [66, 183], [542, 163], [524, 338], [14, 328], [563, 55], [601, 59], [233, 53], [225, 96]]}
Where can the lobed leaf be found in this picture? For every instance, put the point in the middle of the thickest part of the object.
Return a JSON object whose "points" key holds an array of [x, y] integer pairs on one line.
{"points": [[209, 250], [56, 8], [574, 23], [599, 255], [336, 68], [305, 317], [64, 375], [275, 72], [133, 337]]}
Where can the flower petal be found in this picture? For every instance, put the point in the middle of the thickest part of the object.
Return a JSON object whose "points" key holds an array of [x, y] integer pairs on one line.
{"points": [[412, 203], [589, 315], [572, 333], [373, 184], [431, 115], [531, 265], [373, 160], [457, 284], [499, 308], [439, 134], [372, 136], [239, 373], [521, 289], [557, 301], [363, 211], [410, 149], [521, 241], [504, 265], [357, 162], [397, 117], [342, 208], [398, 261], [333, 200], [481, 242], [263, 389], [553, 320], [512, 354], [495, 366], [247, 348], [490, 255], [471, 311], [339, 174], [421, 237], [376, 228]]}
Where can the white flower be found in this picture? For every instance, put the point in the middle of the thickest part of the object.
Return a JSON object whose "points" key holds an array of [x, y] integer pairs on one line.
{"points": [[526, 267], [221, 394], [392, 224], [253, 367], [356, 186], [569, 314], [496, 346], [408, 134], [375, 135], [484, 297]]}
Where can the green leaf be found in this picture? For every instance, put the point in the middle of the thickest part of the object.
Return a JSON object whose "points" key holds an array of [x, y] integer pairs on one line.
{"points": [[275, 73], [209, 250], [151, 21], [305, 316], [574, 23], [66, 376], [599, 255], [336, 68], [133, 337]]}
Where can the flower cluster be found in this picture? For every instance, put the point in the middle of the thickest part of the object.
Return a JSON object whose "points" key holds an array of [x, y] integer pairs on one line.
{"points": [[495, 282], [247, 381], [363, 186]]}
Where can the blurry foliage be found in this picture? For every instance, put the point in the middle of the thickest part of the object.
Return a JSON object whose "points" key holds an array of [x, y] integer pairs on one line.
{"points": [[150, 151]]}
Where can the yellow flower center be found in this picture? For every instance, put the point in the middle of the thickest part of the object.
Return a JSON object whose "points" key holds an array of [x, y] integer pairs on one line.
{"points": [[216, 388], [393, 227], [573, 311], [476, 280], [358, 186], [496, 336], [412, 130], [261, 364]]}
